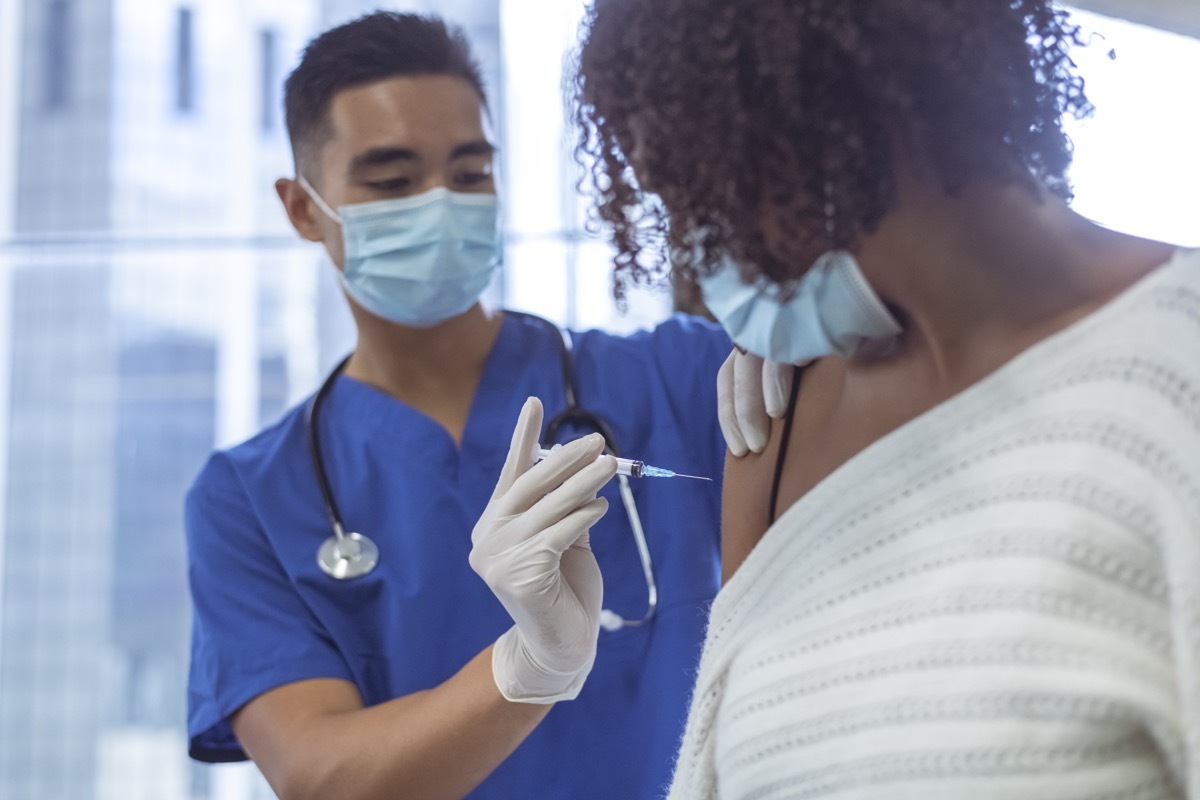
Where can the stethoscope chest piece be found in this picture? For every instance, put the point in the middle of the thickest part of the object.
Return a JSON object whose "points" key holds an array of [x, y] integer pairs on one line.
{"points": [[350, 555], [343, 555]]}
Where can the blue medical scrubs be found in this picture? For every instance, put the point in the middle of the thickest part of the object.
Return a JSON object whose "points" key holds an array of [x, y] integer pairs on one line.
{"points": [[265, 615]]}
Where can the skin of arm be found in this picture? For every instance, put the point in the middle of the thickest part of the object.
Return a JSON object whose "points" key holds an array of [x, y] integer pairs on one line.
{"points": [[315, 739], [745, 501]]}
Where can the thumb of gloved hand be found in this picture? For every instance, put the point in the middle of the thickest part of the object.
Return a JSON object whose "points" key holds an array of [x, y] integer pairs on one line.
{"points": [[531, 548], [751, 392]]}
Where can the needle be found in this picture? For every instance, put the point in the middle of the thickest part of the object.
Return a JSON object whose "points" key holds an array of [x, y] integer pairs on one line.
{"points": [[631, 467], [658, 472]]}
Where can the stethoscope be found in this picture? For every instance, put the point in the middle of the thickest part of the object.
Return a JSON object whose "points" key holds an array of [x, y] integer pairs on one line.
{"points": [[348, 554]]}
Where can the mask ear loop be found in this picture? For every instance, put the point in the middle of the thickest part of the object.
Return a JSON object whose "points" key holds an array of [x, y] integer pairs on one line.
{"points": [[316, 198]]}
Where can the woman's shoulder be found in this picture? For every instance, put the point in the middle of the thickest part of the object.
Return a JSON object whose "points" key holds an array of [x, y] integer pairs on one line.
{"points": [[1170, 292]]}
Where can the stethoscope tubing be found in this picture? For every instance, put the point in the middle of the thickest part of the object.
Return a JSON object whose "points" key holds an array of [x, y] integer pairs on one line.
{"points": [[349, 555], [314, 444]]}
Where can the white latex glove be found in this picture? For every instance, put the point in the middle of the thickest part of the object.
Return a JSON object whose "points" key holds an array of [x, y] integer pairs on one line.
{"points": [[750, 393], [531, 547]]}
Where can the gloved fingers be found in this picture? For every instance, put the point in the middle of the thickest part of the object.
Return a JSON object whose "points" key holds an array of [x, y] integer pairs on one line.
{"points": [[576, 491], [584, 542], [564, 533], [749, 408], [581, 572], [520, 450], [552, 472], [726, 413], [526, 562], [776, 387]]}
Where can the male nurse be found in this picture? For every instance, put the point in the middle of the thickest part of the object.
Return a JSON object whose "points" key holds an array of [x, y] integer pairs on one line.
{"points": [[436, 670]]}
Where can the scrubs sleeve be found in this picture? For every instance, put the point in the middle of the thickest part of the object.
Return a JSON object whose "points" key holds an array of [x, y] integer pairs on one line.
{"points": [[688, 352], [251, 631]]}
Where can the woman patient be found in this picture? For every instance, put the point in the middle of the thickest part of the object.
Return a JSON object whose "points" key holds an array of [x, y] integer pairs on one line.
{"points": [[968, 563]]}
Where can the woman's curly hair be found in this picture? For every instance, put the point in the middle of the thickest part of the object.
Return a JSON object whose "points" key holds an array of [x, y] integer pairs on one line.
{"points": [[704, 123]]}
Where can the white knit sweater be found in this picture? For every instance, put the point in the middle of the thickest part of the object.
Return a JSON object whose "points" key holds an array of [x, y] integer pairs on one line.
{"points": [[1001, 599]]}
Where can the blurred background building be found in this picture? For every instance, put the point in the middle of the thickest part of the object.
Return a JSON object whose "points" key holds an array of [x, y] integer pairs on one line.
{"points": [[154, 303]]}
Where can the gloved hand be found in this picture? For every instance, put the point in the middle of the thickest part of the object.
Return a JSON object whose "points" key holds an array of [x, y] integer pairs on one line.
{"points": [[531, 547], [750, 393]]}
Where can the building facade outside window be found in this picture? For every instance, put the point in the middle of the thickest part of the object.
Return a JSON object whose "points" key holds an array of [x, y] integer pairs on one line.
{"points": [[56, 51], [268, 80], [185, 68]]}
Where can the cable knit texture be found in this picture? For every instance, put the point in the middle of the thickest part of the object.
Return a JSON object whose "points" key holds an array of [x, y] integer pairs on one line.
{"points": [[1001, 599]]}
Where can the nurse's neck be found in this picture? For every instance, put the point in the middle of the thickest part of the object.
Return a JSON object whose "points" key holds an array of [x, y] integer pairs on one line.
{"points": [[435, 370]]}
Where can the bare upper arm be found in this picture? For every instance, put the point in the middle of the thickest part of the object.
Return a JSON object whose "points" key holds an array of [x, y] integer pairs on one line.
{"points": [[269, 725], [745, 502]]}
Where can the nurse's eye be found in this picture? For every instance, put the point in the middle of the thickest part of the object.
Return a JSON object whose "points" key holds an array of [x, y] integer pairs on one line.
{"points": [[472, 178], [472, 171], [390, 185]]}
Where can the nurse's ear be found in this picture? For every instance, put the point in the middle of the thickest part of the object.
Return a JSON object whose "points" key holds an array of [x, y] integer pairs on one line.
{"points": [[302, 212]]}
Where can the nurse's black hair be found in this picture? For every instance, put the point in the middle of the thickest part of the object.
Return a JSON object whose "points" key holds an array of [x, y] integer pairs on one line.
{"points": [[698, 116], [371, 48]]}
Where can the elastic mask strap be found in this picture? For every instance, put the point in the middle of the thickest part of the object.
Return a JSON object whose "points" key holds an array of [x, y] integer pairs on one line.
{"points": [[316, 198]]}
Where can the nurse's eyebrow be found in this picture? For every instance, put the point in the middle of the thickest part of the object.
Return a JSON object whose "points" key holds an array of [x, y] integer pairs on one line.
{"points": [[380, 156], [476, 148]]}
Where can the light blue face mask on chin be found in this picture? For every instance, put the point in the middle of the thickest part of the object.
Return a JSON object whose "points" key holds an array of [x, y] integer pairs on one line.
{"points": [[832, 310], [420, 260]]}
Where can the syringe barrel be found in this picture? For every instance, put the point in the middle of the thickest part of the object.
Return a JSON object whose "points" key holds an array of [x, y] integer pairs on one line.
{"points": [[630, 467], [625, 466]]}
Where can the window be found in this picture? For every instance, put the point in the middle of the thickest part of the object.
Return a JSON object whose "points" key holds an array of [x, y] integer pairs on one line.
{"points": [[1135, 161], [185, 99], [57, 54], [127, 358], [269, 79]]}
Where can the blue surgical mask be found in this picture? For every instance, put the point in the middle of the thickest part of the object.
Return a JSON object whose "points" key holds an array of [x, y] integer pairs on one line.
{"points": [[833, 310], [419, 260]]}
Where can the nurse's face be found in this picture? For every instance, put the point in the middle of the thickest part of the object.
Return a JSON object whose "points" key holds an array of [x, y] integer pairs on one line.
{"points": [[397, 138]]}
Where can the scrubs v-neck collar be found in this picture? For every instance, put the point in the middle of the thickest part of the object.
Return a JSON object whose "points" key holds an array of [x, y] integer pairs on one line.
{"points": [[374, 414]]}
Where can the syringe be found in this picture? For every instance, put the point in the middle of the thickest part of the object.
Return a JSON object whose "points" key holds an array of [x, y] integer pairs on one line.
{"points": [[631, 467]]}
